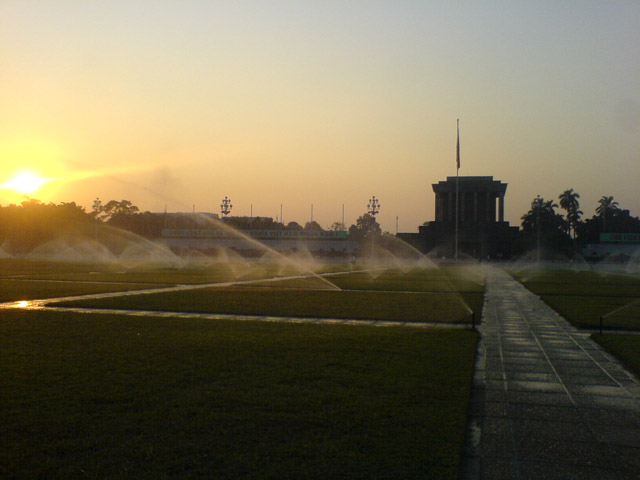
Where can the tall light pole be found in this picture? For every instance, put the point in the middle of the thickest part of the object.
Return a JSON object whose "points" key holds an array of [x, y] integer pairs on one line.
{"points": [[457, 193], [538, 205], [225, 207], [373, 208]]}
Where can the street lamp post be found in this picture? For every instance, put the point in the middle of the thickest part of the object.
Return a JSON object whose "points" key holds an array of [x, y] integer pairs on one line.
{"points": [[225, 207], [373, 208], [538, 202]]}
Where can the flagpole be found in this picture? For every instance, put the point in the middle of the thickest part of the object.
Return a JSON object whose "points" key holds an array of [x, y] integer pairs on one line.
{"points": [[457, 173]]}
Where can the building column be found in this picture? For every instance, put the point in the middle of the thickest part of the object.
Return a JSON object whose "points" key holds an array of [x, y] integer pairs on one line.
{"points": [[488, 212], [475, 207], [501, 207], [492, 214], [438, 208]]}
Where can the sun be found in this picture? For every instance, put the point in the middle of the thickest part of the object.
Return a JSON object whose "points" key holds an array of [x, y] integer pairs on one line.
{"points": [[25, 182]]}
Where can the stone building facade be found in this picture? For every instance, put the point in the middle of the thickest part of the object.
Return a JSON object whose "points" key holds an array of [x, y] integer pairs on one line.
{"points": [[482, 231]]}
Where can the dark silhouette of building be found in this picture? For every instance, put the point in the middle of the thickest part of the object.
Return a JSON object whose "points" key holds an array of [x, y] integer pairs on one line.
{"points": [[482, 231]]}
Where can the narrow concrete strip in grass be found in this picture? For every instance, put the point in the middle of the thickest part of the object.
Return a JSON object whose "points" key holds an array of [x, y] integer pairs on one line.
{"points": [[39, 302], [250, 318], [36, 303]]}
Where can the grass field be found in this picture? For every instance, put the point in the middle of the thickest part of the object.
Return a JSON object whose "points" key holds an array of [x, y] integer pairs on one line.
{"points": [[369, 305], [16, 268], [27, 280], [420, 295], [464, 281], [624, 347], [14, 290], [102, 396], [582, 297]]}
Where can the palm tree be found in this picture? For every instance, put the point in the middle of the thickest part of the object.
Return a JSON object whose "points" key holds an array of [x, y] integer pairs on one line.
{"points": [[606, 204], [569, 202]]}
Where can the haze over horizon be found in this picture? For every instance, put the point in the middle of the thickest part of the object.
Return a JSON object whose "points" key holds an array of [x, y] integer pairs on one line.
{"points": [[323, 103]]}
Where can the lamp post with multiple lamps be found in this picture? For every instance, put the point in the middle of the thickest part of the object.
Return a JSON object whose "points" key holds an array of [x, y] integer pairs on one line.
{"points": [[225, 206], [373, 208]]}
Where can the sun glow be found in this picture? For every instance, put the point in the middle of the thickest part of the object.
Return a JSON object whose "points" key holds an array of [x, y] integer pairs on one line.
{"points": [[25, 182]]}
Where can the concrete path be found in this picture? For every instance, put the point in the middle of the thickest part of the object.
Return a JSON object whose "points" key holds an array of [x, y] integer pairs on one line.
{"points": [[547, 402]]}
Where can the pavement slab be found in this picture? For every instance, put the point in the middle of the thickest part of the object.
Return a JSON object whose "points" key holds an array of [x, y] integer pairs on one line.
{"points": [[547, 402]]}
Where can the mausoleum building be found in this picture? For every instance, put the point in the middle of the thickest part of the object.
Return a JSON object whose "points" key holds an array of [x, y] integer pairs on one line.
{"points": [[482, 231]]}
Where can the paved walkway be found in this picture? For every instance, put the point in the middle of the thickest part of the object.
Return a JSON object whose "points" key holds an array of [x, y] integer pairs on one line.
{"points": [[547, 402]]}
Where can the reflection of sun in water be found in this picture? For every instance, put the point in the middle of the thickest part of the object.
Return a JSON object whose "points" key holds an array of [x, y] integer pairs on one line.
{"points": [[25, 182]]}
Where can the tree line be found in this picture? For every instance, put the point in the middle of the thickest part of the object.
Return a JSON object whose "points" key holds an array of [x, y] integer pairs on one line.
{"points": [[558, 225], [569, 230]]}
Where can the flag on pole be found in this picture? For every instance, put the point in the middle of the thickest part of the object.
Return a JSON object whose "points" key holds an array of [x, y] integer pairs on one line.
{"points": [[458, 146]]}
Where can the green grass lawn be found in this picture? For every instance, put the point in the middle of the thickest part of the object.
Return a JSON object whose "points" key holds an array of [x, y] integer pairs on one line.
{"points": [[625, 347], [150, 275], [351, 304], [582, 297], [585, 311], [104, 396], [15, 290], [27, 280], [421, 295], [467, 283], [578, 282]]}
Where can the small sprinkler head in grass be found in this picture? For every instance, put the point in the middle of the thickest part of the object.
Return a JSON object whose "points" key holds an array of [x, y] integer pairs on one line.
{"points": [[600, 325]]}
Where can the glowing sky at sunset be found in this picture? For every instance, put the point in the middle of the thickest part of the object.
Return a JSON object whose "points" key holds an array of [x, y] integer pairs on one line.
{"points": [[324, 103]]}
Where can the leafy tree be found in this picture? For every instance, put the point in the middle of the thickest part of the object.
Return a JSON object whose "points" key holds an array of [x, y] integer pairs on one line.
{"points": [[97, 209], [313, 226], [542, 215], [609, 218], [293, 226], [368, 223], [569, 202], [606, 207], [365, 225], [338, 227], [114, 209], [541, 224], [24, 226], [622, 222]]}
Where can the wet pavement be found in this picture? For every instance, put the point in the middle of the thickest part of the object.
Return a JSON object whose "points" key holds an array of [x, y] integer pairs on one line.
{"points": [[547, 402]]}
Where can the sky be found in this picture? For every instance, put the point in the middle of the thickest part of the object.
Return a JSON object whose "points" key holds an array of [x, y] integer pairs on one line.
{"points": [[319, 105]]}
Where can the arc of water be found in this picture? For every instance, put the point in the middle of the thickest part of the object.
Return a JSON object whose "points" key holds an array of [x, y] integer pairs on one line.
{"points": [[260, 245], [423, 258]]}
